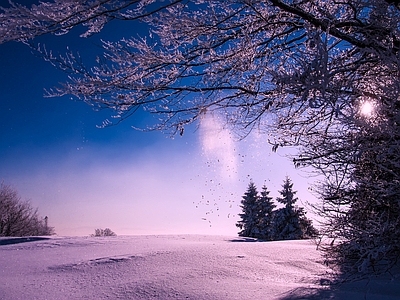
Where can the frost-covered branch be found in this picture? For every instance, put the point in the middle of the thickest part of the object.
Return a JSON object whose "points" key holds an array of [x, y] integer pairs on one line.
{"points": [[248, 59], [59, 17]]}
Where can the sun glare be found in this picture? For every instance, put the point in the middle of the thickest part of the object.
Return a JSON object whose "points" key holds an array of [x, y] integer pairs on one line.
{"points": [[367, 108]]}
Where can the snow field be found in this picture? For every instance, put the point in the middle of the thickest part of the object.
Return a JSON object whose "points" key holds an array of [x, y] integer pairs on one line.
{"points": [[172, 267]]}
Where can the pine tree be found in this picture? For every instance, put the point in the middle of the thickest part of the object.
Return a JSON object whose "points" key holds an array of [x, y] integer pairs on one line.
{"points": [[288, 195], [265, 215], [290, 222], [249, 217]]}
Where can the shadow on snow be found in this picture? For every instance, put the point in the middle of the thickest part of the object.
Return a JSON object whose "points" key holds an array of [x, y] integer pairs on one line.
{"points": [[17, 240]]}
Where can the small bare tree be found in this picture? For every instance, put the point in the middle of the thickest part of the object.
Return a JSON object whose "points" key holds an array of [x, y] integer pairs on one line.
{"points": [[18, 217], [103, 232]]}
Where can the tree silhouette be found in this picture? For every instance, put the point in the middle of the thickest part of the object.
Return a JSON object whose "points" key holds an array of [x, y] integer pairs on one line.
{"points": [[290, 222], [265, 215], [248, 224], [19, 218]]}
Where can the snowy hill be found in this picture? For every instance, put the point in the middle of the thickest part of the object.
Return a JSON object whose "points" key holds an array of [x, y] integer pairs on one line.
{"points": [[173, 267]]}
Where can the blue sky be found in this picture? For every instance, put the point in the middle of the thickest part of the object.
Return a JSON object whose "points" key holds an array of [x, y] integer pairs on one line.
{"points": [[83, 177]]}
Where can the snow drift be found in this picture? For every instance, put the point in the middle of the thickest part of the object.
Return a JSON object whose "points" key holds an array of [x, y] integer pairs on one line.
{"points": [[173, 267]]}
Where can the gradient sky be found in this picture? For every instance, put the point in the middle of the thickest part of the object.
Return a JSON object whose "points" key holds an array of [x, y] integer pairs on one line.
{"points": [[83, 177]]}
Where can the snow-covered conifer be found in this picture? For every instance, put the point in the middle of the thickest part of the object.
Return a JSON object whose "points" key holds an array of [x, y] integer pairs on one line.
{"points": [[290, 222], [287, 194], [249, 217], [265, 215]]}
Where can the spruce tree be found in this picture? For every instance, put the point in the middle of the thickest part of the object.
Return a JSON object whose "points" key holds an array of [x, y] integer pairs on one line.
{"points": [[290, 222], [265, 215], [249, 217], [288, 195]]}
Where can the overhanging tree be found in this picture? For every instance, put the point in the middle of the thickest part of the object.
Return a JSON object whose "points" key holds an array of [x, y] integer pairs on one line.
{"points": [[361, 202], [297, 69]]}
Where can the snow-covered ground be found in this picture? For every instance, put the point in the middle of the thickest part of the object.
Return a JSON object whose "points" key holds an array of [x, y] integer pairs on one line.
{"points": [[173, 267]]}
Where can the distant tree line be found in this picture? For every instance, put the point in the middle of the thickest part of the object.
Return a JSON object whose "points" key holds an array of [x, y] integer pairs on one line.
{"points": [[260, 219], [18, 217]]}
